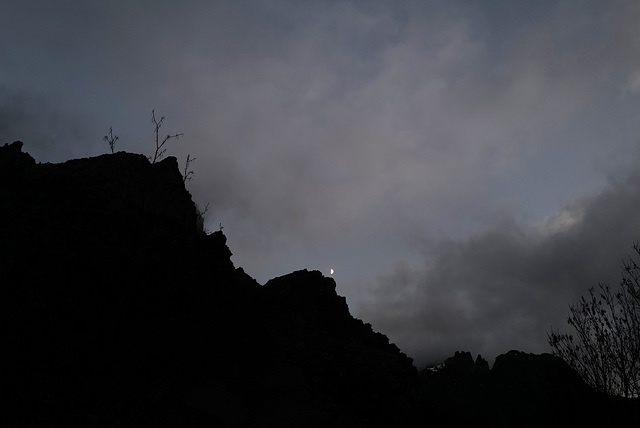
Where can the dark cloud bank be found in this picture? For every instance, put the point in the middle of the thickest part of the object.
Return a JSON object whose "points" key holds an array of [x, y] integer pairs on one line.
{"points": [[504, 288]]}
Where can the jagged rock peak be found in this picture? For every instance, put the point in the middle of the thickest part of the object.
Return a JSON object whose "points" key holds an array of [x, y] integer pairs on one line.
{"points": [[463, 361], [481, 365]]}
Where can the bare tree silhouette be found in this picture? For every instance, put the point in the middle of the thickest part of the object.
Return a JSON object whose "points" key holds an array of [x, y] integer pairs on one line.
{"points": [[160, 144], [606, 348], [109, 138]]}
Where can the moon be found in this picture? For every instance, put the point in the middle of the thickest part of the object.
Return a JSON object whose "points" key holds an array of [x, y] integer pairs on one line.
{"points": [[331, 271]]}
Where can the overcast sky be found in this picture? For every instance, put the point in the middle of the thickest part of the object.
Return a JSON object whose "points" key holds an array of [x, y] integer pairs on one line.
{"points": [[467, 168]]}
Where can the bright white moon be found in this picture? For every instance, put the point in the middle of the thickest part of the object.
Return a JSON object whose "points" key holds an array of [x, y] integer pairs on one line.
{"points": [[331, 271]]}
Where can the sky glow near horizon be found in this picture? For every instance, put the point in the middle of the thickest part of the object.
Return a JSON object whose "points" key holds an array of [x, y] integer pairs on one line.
{"points": [[468, 168]]}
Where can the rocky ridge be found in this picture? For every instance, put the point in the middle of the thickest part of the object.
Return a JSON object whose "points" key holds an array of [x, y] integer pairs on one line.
{"points": [[120, 311], [124, 312]]}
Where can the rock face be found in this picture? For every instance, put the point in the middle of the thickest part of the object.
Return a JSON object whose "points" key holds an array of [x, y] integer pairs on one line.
{"points": [[119, 311], [521, 389], [122, 312], [337, 355], [461, 365]]}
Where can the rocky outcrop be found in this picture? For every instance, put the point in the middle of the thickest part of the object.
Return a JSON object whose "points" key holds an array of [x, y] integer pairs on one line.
{"points": [[524, 390], [113, 294], [119, 311], [346, 366], [462, 365], [122, 313]]}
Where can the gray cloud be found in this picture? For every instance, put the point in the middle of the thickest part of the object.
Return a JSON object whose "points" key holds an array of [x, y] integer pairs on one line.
{"points": [[349, 133], [504, 288], [428, 125], [50, 134]]}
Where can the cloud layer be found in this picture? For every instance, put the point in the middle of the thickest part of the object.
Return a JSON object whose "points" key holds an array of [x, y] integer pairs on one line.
{"points": [[504, 288], [386, 140]]}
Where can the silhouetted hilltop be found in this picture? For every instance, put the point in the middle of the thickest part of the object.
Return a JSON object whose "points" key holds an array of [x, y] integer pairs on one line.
{"points": [[520, 390], [120, 311], [124, 313]]}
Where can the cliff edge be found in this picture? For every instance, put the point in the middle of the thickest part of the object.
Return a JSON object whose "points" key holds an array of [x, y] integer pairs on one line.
{"points": [[123, 312], [119, 311]]}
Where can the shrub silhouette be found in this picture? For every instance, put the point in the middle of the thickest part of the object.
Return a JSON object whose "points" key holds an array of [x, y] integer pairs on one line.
{"points": [[606, 348]]}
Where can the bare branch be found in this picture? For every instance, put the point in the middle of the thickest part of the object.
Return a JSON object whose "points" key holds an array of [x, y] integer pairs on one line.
{"points": [[606, 349], [188, 174], [200, 217], [159, 144], [109, 138]]}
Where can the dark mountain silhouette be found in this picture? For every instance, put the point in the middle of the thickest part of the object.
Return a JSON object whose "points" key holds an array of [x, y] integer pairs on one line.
{"points": [[523, 390], [119, 311]]}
